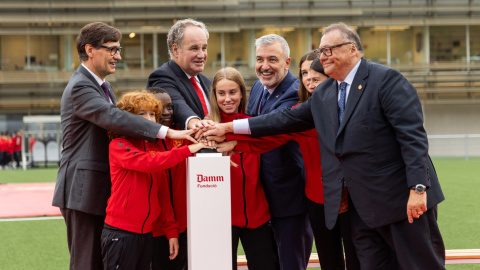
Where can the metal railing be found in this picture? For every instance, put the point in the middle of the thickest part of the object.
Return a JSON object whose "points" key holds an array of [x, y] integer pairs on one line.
{"points": [[454, 145]]}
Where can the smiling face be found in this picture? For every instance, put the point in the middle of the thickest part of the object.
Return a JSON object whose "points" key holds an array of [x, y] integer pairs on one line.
{"points": [[271, 65], [315, 78], [343, 58], [167, 108], [228, 95], [192, 55], [100, 61], [305, 68]]}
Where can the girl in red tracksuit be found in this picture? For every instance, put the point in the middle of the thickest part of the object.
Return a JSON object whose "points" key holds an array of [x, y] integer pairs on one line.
{"points": [[250, 214], [138, 177], [177, 184], [328, 242]]}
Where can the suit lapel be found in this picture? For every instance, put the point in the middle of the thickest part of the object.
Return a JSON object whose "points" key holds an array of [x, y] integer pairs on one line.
{"points": [[356, 90], [188, 85], [277, 93], [331, 102], [99, 89]]}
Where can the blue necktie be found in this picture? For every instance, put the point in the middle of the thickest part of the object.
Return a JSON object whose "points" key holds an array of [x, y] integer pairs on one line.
{"points": [[265, 96], [105, 89], [341, 101]]}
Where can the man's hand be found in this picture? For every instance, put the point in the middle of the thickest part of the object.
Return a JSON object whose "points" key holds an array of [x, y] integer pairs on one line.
{"points": [[181, 135], [416, 205], [216, 138], [196, 123], [220, 129], [200, 126]]}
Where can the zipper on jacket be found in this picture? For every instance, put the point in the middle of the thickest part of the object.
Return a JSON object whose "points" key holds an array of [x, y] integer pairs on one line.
{"points": [[149, 191], [170, 186], [244, 195]]}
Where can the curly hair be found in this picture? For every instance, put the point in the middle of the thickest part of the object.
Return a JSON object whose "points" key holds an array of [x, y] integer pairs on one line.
{"points": [[134, 101]]}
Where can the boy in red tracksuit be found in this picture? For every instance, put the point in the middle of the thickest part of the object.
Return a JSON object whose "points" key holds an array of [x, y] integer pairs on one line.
{"points": [[176, 179], [138, 177], [250, 213]]}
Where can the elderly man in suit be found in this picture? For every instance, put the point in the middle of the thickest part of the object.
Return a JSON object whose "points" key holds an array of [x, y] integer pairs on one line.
{"points": [[282, 171], [181, 76], [88, 112], [374, 155]]}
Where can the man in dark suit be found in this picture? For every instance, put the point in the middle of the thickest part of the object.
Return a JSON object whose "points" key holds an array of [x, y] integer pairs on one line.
{"points": [[374, 152], [282, 172], [181, 76], [88, 112]]}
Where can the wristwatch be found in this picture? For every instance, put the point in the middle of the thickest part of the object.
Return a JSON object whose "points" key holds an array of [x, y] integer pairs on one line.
{"points": [[419, 189]]}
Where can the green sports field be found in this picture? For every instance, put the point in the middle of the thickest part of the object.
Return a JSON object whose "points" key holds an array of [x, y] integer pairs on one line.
{"points": [[42, 244]]}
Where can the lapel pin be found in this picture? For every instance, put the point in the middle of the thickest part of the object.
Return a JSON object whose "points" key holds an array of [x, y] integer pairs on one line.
{"points": [[360, 87], [276, 96]]}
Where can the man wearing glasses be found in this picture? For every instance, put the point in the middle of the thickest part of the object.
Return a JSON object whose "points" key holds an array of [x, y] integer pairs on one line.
{"points": [[88, 112], [374, 152]]}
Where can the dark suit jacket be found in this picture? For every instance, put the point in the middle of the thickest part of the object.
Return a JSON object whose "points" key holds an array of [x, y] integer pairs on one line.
{"points": [[281, 171], [83, 180], [185, 100], [380, 149]]}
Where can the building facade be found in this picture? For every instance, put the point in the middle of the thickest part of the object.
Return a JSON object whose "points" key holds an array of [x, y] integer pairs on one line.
{"points": [[434, 43]]}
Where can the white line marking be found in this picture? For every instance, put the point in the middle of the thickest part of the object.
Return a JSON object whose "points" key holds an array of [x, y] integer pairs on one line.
{"points": [[29, 219]]}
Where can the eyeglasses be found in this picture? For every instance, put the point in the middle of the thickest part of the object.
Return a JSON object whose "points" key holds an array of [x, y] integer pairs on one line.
{"points": [[327, 50], [113, 50]]}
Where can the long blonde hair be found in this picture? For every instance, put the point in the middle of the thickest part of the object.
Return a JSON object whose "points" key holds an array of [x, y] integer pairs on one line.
{"points": [[231, 74]]}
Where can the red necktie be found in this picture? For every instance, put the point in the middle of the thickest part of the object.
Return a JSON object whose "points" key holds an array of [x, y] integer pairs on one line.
{"points": [[200, 95]]}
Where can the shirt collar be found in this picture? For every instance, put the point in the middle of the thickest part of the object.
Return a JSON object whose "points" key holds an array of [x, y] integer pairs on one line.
{"points": [[99, 81], [351, 75]]}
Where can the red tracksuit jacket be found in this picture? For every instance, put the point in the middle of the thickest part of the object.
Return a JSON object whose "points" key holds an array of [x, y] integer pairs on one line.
{"points": [[137, 170], [308, 141], [249, 204], [177, 185]]}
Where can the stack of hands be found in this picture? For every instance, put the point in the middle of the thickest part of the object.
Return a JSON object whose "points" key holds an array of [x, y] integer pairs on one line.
{"points": [[208, 132]]}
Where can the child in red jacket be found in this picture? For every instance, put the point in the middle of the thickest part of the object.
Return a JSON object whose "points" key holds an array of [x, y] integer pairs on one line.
{"points": [[176, 179], [138, 177], [250, 214]]}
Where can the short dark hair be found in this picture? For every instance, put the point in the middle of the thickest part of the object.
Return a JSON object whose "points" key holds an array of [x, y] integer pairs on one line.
{"points": [[317, 66], [156, 90], [95, 34]]}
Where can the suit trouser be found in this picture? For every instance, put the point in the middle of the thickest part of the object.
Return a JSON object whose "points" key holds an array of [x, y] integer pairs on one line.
{"points": [[259, 246], [161, 252], [294, 238], [400, 245], [329, 242], [124, 250], [84, 239]]}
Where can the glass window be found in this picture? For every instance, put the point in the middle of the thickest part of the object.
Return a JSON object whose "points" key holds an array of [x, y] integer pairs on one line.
{"points": [[374, 43], [447, 43], [44, 52], [474, 43]]}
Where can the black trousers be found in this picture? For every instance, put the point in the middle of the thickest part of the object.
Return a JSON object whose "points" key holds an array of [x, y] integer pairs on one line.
{"points": [[400, 245], [83, 235], [329, 242], [161, 252], [259, 247], [124, 250]]}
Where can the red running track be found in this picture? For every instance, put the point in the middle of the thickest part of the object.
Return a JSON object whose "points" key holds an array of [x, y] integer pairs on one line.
{"points": [[27, 200]]}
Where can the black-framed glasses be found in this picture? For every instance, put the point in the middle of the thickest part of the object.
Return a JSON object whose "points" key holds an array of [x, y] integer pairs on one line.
{"points": [[327, 50], [113, 50]]}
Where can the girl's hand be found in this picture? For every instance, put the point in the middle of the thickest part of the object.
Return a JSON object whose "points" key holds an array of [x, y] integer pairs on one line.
{"points": [[173, 243]]}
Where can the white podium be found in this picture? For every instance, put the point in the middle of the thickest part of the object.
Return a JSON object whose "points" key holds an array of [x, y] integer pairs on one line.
{"points": [[209, 227]]}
